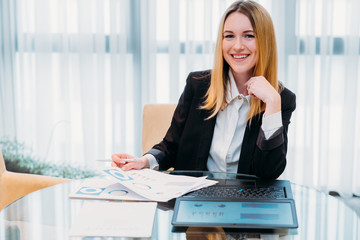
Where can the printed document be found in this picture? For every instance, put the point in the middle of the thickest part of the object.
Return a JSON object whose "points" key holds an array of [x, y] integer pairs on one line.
{"points": [[107, 189], [155, 185]]}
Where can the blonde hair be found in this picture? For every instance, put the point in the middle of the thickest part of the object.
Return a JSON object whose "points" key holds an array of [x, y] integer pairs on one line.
{"points": [[266, 64]]}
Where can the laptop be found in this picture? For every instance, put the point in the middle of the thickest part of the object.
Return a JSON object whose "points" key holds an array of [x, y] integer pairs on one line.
{"points": [[249, 203]]}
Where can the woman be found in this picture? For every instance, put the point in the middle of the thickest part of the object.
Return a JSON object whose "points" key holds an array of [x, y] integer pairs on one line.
{"points": [[235, 117]]}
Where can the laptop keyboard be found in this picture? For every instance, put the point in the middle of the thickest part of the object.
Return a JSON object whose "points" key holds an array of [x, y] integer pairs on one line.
{"points": [[240, 193]]}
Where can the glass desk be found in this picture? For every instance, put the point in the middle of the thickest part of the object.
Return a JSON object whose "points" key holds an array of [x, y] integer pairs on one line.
{"points": [[49, 214]]}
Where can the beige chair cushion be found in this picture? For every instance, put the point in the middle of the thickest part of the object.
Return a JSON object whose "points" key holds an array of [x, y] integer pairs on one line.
{"points": [[16, 185], [156, 122]]}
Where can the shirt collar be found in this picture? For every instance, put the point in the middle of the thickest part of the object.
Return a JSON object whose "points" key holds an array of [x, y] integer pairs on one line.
{"points": [[232, 91]]}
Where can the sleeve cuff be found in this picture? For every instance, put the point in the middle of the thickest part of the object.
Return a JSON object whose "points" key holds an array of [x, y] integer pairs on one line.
{"points": [[154, 165], [271, 124], [273, 142]]}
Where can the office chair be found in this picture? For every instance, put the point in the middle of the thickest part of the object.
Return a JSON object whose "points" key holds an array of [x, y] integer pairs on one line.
{"points": [[16, 185], [156, 122]]}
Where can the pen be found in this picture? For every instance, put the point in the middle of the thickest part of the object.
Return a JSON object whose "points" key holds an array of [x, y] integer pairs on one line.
{"points": [[110, 160]]}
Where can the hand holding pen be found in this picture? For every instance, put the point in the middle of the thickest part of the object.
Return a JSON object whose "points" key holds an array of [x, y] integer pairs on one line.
{"points": [[127, 162]]}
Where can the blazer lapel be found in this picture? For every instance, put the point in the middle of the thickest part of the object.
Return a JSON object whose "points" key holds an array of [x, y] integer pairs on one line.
{"points": [[205, 140], [248, 145]]}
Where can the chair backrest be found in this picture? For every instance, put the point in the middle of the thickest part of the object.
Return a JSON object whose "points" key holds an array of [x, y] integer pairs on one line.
{"points": [[156, 122]]}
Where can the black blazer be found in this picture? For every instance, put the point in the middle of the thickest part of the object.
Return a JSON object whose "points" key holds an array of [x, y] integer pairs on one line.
{"points": [[186, 144]]}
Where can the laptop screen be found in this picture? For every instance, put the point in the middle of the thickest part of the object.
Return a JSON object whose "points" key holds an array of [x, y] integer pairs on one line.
{"points": [[244, 214]]}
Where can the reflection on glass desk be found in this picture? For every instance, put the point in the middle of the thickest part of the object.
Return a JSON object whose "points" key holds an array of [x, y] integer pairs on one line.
{"points": [[49, 214]]}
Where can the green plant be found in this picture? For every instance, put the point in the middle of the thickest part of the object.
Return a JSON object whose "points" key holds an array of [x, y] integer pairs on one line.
{"points": [[18, 158]]}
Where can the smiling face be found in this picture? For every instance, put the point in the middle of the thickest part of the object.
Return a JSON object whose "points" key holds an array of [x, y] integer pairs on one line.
{"points": [[239, 45]]}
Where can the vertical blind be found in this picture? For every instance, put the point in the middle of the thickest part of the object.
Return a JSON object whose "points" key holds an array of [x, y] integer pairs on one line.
{"points": [[75, 75]]}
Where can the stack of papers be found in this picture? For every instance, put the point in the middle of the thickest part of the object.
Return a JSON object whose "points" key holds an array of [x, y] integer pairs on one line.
{"points": [[141, 185], [157, 186], [128, 219]]}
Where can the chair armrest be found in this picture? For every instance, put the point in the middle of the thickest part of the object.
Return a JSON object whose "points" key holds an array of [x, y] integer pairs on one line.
{"points": [[16, 185]]}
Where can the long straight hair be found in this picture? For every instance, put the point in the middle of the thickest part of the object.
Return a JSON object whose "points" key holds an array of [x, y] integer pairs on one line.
{"points": [[266, 64]]}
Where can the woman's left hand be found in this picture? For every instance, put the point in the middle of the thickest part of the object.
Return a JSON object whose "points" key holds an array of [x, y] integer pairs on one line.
{"points": [[260, 88]]}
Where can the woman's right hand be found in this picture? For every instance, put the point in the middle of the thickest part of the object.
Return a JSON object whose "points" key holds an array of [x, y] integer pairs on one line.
{"points": [[119, 160]]}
